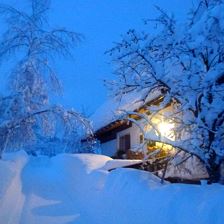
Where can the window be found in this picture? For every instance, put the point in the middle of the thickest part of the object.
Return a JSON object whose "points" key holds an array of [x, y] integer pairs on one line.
{"points": [[125, 142], [164, 150], [141, 138], [151, 144]]}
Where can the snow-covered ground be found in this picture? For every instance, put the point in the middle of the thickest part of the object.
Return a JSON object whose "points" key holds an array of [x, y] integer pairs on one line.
{"points": [[79, 189]]}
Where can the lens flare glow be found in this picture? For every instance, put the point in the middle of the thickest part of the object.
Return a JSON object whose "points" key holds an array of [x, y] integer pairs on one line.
{"points": [[165, 129]]}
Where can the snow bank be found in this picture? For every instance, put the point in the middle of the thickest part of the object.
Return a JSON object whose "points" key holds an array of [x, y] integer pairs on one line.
{"points": [[79, 189], [85, 162], [137, 197], [81, 171], [11, 196]]}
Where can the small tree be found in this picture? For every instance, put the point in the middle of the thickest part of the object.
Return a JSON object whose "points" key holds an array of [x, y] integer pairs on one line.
{"points": [[186, 63], [27, 115]]}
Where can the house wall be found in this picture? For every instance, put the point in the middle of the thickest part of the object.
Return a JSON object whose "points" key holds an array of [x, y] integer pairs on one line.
{"points": [[109, 148], [134, 132]]}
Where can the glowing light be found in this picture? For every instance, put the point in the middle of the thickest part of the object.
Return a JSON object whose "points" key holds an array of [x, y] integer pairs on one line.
{"points": [[165, 129]]}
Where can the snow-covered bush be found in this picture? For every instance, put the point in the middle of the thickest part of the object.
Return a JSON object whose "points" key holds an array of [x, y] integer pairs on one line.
{"points": [[186, 63]]}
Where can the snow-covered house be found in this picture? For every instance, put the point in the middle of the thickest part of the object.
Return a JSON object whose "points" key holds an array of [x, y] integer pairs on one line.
{"points": [[121, 138]]}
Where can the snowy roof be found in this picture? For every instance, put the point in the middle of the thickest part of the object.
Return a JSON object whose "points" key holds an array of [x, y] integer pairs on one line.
{"points": [[115, 106]]}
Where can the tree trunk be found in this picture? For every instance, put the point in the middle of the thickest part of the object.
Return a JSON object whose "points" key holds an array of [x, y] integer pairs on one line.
{"points": [[215, 170], [216, 173], [221, 169]]}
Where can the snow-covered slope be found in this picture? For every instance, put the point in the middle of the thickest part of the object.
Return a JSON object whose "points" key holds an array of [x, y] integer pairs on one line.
{"points": [[77, 189]]}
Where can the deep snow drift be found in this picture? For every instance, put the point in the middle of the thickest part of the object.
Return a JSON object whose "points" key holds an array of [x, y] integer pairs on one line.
{"points": [[79, 189]]}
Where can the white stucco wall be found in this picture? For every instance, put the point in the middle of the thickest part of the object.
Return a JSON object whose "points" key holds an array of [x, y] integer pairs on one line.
{"points": [[134, 134], [109, 148]]}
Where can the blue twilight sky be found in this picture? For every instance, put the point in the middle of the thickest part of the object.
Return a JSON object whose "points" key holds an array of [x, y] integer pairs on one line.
{"points": [[101, 22]]}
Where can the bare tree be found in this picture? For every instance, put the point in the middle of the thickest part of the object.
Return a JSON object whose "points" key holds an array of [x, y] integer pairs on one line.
{"points": [[186, 64], [27, 113]]}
